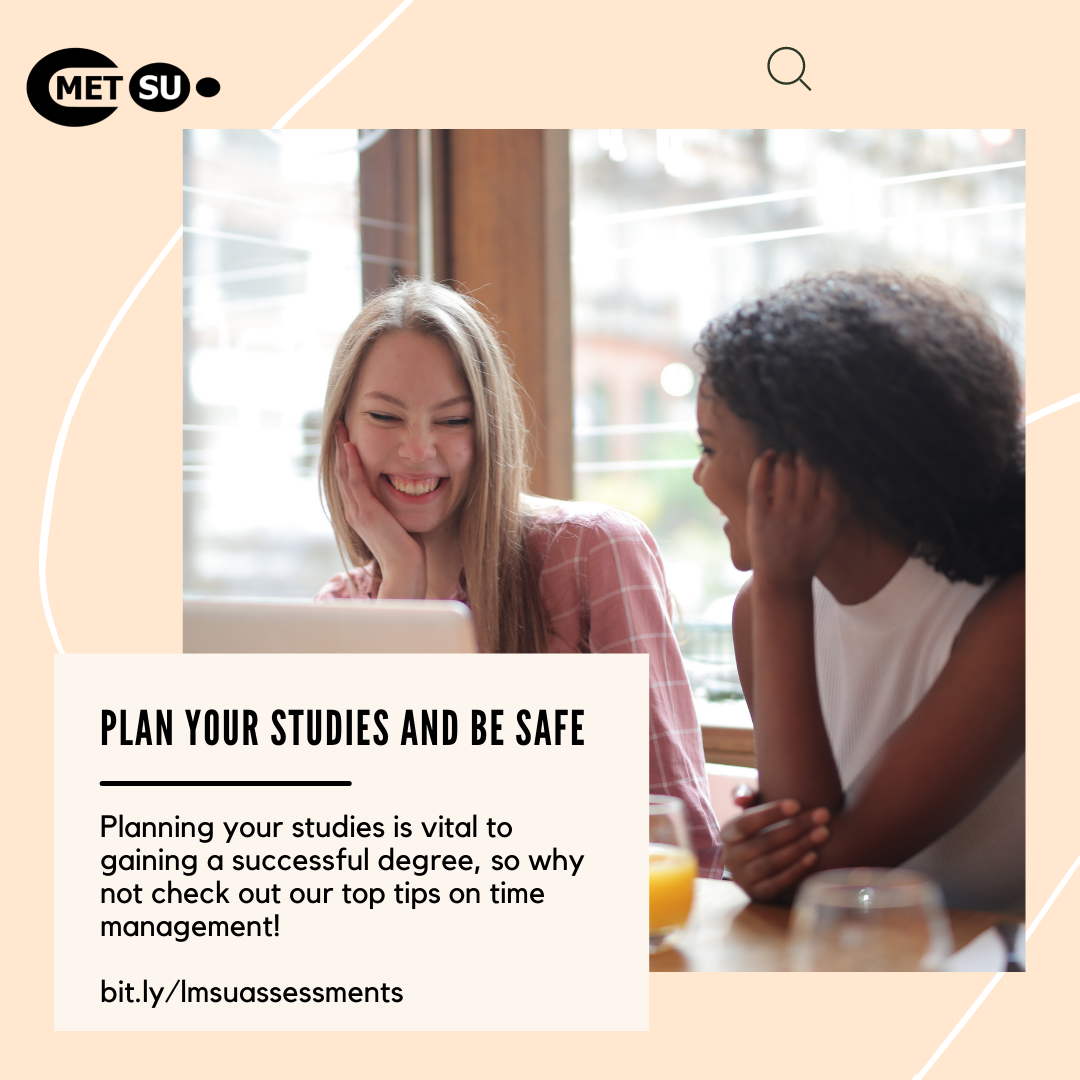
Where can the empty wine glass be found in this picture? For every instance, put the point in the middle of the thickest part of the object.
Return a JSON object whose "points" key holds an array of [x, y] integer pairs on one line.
{"points": [[869, 920]]}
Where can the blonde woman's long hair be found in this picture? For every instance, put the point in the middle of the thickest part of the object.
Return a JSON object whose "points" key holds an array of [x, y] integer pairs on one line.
{"points": [[502, 583]]}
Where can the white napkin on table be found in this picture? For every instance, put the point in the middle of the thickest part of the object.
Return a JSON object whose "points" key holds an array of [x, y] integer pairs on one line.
{"points": [[985, 953]]}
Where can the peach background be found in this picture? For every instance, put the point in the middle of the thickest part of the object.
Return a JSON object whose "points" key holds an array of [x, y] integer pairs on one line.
{"points": [[88, 210]]}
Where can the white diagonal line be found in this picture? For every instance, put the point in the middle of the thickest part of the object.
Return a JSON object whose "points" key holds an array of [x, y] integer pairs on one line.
{"points": [[334, 72], [994, 981], [739, 239], [785, 196], [1053, 896], [61, 438], [959, 1027], [58, 450], [1064, 403]]}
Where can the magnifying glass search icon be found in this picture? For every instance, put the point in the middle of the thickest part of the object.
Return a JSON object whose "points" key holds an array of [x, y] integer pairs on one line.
{"points": [[786, 62]]}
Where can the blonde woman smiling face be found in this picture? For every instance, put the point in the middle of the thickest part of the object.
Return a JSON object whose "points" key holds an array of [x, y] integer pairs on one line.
{"points": [[403, 458], [400, 417], [424, 477]]}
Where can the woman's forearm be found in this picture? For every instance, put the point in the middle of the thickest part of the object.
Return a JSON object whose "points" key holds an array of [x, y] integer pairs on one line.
{"points": [[794, 757]]}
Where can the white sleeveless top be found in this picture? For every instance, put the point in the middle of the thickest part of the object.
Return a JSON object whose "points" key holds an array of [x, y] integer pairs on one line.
{"points": [[875, 662]]}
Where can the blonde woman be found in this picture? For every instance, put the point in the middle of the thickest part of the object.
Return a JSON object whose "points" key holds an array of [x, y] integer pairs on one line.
{"points": [[424, 477]]}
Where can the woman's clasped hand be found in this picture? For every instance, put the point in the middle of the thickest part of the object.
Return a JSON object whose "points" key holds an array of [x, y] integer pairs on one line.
{"points": [[769, 848]]}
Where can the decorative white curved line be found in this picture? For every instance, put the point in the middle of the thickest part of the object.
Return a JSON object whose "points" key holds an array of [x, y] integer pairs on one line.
{"points": [[61, 438], [334, 72], [1064, 403]]}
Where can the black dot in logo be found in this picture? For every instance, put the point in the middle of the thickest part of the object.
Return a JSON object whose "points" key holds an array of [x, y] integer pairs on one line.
{"points": [[207, 87], [159, 87]]}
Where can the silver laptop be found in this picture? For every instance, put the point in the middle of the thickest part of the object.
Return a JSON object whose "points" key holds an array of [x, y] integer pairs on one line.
{"points": [[336, 626]]}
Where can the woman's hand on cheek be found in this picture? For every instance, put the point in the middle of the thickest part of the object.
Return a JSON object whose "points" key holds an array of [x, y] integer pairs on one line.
{"points": [[399, 555], [772, 847], [794, 513]]}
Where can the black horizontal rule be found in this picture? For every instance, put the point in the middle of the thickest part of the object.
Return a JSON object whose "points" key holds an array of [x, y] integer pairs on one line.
{"points": [[226, 783]]}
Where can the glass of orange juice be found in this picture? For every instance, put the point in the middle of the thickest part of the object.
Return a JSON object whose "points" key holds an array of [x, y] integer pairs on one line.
{"points": [[672, 869]]}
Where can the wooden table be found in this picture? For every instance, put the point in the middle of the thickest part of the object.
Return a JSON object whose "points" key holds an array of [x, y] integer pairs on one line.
{"points": [[728, 932]]}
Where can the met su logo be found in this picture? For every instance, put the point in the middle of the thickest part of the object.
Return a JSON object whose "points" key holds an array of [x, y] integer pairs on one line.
{"points": [[75, 87]]}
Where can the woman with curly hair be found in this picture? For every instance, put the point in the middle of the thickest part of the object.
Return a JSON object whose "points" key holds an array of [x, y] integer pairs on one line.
{"points": [[861, 432]]}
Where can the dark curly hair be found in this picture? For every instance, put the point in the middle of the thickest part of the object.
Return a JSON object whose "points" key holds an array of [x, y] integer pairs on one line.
{"points": [[904, 390]]}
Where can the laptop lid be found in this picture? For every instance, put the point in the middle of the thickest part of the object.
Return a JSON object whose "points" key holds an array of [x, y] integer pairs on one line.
{"points": [[336, 626]]}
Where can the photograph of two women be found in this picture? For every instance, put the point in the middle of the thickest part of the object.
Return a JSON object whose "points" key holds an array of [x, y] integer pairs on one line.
{"points": [[750, 402]]}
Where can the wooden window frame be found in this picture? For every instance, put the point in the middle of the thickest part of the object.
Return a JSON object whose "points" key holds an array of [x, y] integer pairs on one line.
{"points": [[500, 231], [501, 227]]}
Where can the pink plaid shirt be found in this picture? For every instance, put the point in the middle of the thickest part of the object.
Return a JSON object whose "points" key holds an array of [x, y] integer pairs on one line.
{"points": [[602, 583]]}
